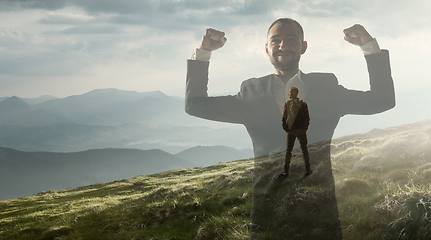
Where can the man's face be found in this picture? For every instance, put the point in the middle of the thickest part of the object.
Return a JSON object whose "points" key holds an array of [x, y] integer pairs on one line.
{"points": [[284, 46]]}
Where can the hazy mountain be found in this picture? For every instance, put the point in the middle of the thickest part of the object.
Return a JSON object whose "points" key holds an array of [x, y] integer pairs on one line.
{"points": [[14, 107], [26, 173], [33, 101], [108, 107], [204, 156], [107, 118], [78, 137], [15, 111], [113, 107], [41, 99]]}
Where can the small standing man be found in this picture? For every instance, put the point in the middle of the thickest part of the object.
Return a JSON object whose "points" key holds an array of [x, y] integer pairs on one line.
{"points": [[295, 122]]}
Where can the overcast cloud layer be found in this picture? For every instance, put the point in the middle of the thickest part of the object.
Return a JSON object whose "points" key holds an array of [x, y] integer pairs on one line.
{"points": [[65, 47]]}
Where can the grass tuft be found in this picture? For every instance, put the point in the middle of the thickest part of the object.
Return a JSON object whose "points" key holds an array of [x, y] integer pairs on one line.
{"points": [[55, 232], [355, 186]]}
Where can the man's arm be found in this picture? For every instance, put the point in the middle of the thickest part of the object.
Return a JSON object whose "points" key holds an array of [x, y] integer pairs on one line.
{"points": [[381, 96], [284, 118], [197, 102], [307, 115]]}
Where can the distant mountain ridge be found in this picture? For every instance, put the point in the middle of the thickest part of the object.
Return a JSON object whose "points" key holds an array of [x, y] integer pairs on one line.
{"points": [[106, 118], [112, 107], [15, 111], [48, 143], [27, 173], [33, 101], [109, 107]]}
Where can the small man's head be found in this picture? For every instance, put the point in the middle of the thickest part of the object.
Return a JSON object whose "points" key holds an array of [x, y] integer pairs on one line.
{"points": [[293, 92], [285, 44]]}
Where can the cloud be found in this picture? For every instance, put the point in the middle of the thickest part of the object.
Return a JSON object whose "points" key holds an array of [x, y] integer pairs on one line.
{"points": [[13, 5], [167, 15], [66, 18], [29, 54], [75, 37], [91, 29], [79, 50], [155, 13]]}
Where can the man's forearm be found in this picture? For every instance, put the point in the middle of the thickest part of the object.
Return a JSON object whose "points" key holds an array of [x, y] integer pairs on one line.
{"points": [[381, 82], [196, 79]]}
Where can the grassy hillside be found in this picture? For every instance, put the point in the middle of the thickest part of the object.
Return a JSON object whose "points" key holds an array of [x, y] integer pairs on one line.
{"points": [[382, 184], [26, 173], [181, 204], [204, 156]]}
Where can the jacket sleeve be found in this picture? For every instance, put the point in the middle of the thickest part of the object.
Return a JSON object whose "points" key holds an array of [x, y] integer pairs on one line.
{"points": [[197, 102], [284, 118], [307, 115], [379, 98]]}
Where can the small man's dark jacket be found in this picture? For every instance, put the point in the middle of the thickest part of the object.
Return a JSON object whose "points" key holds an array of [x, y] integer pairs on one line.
{"points": [[302, 119]]}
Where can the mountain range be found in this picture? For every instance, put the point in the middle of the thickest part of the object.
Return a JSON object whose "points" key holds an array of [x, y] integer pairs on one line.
{"points": [[109, 118], [50, 143]]}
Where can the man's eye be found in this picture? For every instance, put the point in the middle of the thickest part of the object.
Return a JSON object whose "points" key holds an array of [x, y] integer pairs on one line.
{"points": [[276, 41]]}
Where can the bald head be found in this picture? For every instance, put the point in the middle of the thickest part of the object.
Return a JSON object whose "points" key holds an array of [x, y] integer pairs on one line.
{"points": [[293, 92], [287, 21]]}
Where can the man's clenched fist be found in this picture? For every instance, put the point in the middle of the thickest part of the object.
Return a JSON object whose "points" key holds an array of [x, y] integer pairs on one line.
{"points": [[357, 35], [213, 39]]}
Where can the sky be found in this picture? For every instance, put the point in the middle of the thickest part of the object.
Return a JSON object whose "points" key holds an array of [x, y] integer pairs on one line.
{"points": [[65, 47]]}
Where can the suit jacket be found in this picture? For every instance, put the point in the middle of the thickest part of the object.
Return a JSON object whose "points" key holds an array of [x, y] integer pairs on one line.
{"points": [[255, 107]]}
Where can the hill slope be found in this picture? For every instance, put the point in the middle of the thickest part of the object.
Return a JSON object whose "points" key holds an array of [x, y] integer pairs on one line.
{"points": [[382, 182], [204, 156], [26, 173]]}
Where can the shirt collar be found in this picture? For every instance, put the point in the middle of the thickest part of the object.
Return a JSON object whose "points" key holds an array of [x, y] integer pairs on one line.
{"points": [[296, 76]]}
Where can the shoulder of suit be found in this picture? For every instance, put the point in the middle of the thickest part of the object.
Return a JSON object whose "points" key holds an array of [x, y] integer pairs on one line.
{"points": [[258, 79], [258, 84], [319, 79]]}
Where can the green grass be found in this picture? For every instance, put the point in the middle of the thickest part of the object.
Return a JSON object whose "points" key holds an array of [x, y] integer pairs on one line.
{"points": [[382, 182], [200, 203]]}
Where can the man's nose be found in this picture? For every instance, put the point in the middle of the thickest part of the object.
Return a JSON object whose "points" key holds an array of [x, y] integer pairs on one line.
{"points": [[283, 46]]}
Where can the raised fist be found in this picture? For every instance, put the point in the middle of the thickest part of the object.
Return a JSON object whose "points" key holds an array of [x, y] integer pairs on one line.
{"points": [[213, 39], [357, 35]]}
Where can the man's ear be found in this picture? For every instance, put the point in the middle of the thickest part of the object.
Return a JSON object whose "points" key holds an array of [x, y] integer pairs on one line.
{"points": [[266, 49], [304, 47]]}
